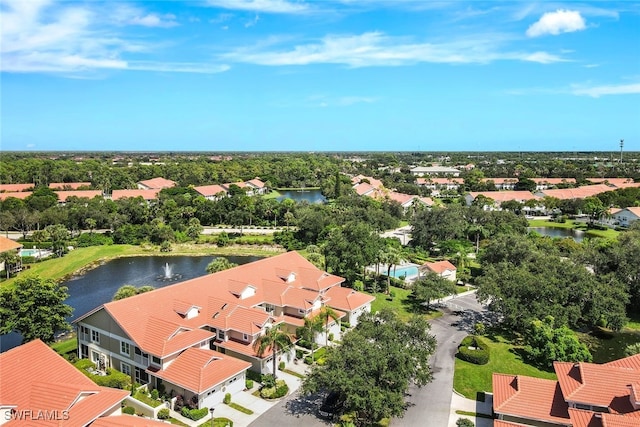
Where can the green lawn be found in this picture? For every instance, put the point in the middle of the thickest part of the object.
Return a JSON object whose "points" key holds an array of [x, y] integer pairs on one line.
{"points": [[273, 194], [65, 346], [470, 379], [402, 303]]}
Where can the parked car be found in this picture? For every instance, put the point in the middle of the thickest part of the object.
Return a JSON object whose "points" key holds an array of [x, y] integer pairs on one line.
{"points": [[331, 406]]}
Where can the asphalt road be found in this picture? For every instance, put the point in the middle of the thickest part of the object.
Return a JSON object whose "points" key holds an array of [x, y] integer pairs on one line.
{"points": [[428, 406]]}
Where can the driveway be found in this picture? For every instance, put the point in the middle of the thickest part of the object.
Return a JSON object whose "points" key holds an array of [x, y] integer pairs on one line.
{"points": [[430, 405]]}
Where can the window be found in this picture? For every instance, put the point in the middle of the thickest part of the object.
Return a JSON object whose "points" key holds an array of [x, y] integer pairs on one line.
{"points": [[156, 360], [124, 348], [125, 368], [301, 311], [95, 357], [245, 337], [95, 336], [84, 351], [220, 334]]}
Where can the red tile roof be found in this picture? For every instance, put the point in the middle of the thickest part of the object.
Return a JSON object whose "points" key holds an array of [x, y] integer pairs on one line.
{"points": [[576, 193], [18, 195], [439, 267], [364, 188], [527, 397], [157, 183], [375, 183], [210, 190], [15, 188], [583, 418], [554, 181], [611, 181], [256, 183], [200, 370], [503, 196], [127, 421], [68, 185], [90, 194], [145, 194], [34, 377], [346, 299], [8, 245]]}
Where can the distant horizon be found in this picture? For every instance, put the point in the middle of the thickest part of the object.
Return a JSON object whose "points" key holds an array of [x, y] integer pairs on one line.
{"points": [[319, 75]]}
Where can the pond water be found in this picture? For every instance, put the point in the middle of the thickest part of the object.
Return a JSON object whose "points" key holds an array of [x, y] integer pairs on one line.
{"points": [[97, 286], [559, 232], [310, 196]]}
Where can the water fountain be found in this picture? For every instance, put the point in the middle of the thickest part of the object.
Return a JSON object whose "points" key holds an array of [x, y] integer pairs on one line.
{"points": [[168, 274]]}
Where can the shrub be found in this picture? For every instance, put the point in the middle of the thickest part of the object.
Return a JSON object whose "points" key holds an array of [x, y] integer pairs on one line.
{"points": [[480, 329], [473, 349], [281, 365], [464, 422], [155, 394], [163, 414], [268, 381], [330, 337], [255, 376], [129, 410], [299, 353], [317, 355], [248, 384], [227, 398], [194, 414], [278, 390], [305, 344]]}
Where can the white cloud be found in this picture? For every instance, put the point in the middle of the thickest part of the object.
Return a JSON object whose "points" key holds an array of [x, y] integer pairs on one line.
{"points": [[377, 49], [253, 22], [598, 91], [265, 6], [155, 20], [560, 21], [42, 36]]}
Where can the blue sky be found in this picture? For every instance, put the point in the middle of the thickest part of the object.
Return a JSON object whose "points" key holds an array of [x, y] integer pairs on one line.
{"points": [[272, 75]]}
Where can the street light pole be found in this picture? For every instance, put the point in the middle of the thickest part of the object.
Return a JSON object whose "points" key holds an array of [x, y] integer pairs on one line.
{"points": [[211, 410]]}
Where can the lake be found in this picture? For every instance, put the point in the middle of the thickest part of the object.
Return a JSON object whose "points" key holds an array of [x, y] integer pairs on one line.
{"points": [[310, 196], [559, 232], [97, 286]]}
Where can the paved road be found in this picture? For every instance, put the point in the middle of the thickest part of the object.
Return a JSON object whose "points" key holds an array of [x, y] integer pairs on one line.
{"points": [[294, 411], [429, 405]]}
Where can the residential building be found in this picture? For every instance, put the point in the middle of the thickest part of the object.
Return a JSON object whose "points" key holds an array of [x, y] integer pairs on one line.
{"points": [[156, 184], [211, 323], [212, 192], [575, 193], [585, 395], [625, 217], [546, 183], [39, 387], [434, 170], [444, 269], [69, 185], [8, 245], [500, 197], [436, 184], [15, 188], [65, 194], [147, 195], [508, 184]]}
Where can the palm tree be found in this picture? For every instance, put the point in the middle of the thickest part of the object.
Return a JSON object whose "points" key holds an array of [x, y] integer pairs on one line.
{"points": [[325, 314], [392, 257], [220, 264], [274, 339], [311, 327]]}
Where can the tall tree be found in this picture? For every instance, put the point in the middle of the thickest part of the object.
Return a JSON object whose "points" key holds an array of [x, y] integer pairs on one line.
{"points": [[275, 340], [220, 264], [308, 331], [431, 287], [327, 313], [35, 308]]}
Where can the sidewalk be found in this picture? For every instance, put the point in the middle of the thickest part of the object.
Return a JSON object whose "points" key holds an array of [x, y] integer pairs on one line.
{"points": [[461, 403]]}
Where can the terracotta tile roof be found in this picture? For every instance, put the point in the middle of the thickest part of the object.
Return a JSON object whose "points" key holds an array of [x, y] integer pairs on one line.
{"points": [[631, 362], [576, 193], [90, 194], [363, 189], [628, 185], [68, 185], [34, 377], [528, 397], [15, 188], [154, 321], [8, 245], [346, 299], [200, 370], [613, 211], [211, 190], [500, 423], [611, 181], [583, 418], [243, 348], [554, 181], [256, 183], [157, 183], [145, 194], [18, 195], [600, 385], [503, 196], [500, 181], [439, 267], [375, 183], [439, 181], [634, 210], [127, 421]]}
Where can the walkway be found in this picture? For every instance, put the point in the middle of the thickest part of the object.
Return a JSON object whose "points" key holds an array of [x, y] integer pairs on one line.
{"points": [[461, 403]]}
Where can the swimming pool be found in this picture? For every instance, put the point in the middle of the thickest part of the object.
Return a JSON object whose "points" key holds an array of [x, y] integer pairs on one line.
{"points": [[35, 252], [405, 270]]}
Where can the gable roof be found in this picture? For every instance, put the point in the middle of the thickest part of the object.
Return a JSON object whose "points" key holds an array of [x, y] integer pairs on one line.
{"points": [[34, 377], [157, 183], [576, 193], [503, 196], [127, 421], [8, 245], [68, 185], [90, 194], [18, 195], [199, 370], [210, 190], [256, 183], [439, 266], [346, 299], [15, 188], [145, 194]]}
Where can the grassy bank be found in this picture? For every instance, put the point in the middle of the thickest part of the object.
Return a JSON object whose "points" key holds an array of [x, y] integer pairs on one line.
{"points": [[569, 224], [80, 259]]}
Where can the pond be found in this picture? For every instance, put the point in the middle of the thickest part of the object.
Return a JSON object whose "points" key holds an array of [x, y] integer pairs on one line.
{"points": [[310, 196], [97, 286], [576, 235]]}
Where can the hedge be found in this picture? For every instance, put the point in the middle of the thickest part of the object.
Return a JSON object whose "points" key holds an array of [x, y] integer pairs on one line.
{"points": [[318, 354], [480, 356], [255, 376], [281, 389], [129, 410], [194, 414]]}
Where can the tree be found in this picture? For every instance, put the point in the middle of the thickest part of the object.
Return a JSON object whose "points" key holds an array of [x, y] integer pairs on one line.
{"points": [[373, 365], [632, 349], [308, 331], [59, 235], [275, 340], [546, 343], [220, 264], [126, 291], [325, 314], [431, 287], [35, 308], [9, 258], [594, 208], [194, 229]]}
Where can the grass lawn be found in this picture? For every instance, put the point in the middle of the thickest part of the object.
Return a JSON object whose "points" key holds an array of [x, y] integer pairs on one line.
{"points": [[403, 304], [179, 423], [470, 379], [65, 346], [273, 194], [142, 397], [76, 260], [217, 422]]}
